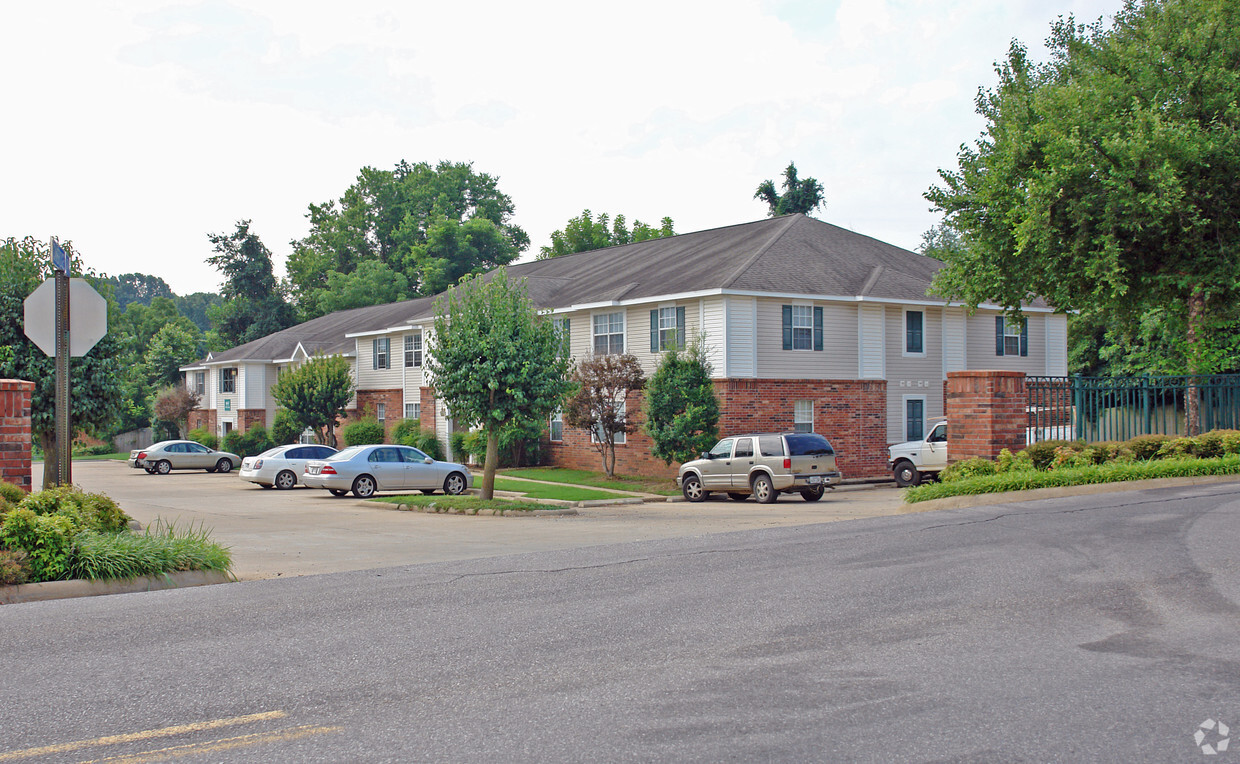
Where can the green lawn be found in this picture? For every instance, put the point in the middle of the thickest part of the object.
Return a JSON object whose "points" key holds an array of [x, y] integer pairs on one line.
{"points": [[544, 491], [597, 480]]}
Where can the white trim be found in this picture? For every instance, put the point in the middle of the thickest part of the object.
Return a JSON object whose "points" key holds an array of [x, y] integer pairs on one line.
{"points": [[388, 330], [904, 351], [676, 296], [793, 326], [624, 328]]}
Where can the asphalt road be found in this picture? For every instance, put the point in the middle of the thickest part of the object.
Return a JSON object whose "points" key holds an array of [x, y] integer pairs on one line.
{"points": [[1099, 628]]}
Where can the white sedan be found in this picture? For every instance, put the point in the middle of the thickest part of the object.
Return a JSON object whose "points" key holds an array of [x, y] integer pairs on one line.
{"points": [[366, 469], [281, 466]]}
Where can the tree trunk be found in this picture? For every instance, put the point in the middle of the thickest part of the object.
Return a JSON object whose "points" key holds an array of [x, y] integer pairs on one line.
{"points": [[51, 459], [1192, 403], [609, 457], [488, 468]]}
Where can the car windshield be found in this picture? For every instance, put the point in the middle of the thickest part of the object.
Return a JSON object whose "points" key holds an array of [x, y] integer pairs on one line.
{"points": [[808, 444], [346, 454]]}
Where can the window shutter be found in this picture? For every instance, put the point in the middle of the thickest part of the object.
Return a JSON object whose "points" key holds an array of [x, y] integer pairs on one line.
{"points": [[374, 354], [817, 328], [1024, 336], [567, 337], [654, 331], [998, 335], [680, 328], [787, 327]]}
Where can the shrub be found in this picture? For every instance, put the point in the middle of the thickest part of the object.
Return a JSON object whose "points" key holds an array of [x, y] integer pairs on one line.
{"points": [[161, 549], [255, 440], [1009, 462], [205, 437], [1067, 457], [1042, 454], [405, 430], [285, 428], [967, 468], [10, 495], [92, 450], [1146, 447], [46, 539], [14, 567], [363, 432], [233, 443], [1230, 440], [1176, 448], [426, 442], [1209, 445], [93, 511]]}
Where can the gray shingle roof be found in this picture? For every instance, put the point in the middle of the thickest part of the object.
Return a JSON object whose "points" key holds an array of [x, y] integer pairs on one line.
{"points": [[794, 254]]}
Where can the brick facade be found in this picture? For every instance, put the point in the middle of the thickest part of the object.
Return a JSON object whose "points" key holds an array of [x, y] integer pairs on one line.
{"points": [[985, 413], [204, 418], [852, 414], [15, 435], [247, 418], [427, 418], [368, 406]]}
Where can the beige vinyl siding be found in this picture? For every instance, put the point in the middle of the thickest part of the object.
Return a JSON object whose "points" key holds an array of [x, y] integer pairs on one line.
{"points": [[980, 330], [836, 360], [1056, 345], [380, 379], [741, 315], [713, 321], [954, 339], [871, 341], [913, 375], [256, 386]]}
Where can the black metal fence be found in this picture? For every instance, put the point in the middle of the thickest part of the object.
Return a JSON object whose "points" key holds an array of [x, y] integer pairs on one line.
{"points": [[1118, 408]]}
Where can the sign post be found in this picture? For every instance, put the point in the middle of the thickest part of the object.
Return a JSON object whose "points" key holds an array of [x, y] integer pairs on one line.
{"points": [[64, 429]]}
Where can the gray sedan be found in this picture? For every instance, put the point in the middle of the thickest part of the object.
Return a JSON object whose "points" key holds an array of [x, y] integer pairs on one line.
{"points": [[367, 469], [165, 456]]}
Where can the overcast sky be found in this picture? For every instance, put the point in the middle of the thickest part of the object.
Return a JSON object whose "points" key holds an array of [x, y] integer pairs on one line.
{"points": [[136, 128]]}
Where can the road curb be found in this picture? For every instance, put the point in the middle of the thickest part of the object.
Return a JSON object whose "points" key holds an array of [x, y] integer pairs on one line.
{"points": [[1011, 497], [58, 590]]}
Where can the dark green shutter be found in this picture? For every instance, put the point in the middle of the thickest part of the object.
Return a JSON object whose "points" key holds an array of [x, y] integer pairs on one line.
{"points": [[680, 328], [998, 335], [817, 328], [654, 331], [1024, 336], [568, 337], [787, 327], [374, 354]]}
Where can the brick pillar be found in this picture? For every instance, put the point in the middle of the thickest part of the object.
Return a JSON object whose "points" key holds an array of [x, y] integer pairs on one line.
{"points": [[15, 431], [985, 413], [247, 418]]}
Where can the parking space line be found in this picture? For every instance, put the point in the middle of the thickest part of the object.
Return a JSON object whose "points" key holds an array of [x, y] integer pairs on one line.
{"points": [[215, 746]]}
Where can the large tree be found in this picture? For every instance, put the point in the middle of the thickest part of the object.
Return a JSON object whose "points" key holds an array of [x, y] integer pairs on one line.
{"points": [[585, 232], [495, 359], [253, 303], [682, 410], [432, 224], [137, 287], [315, 394], [802, 195], [95, 379], [1108, 178]]}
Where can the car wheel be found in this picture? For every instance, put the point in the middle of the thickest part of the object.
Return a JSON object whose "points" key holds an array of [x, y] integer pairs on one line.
{"points": [[691, 487], [454, 484], [813, 494], [209, 469], [223, 465], [336, 492], [763, 491], [738, 496], [428, 491], [285, 480], [364, 487], [149, 470], [163, 466], [906, 474]]}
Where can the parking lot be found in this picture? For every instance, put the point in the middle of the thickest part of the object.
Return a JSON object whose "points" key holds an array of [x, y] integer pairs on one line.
{"points": [[303, 531]]}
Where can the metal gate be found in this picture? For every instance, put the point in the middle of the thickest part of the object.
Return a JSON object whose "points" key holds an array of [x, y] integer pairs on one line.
{"points": [[1118, 408]]}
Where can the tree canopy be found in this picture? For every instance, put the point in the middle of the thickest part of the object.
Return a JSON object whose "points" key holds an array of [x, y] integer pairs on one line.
{"points": [[315, 394], [584, 233], [682, 410], [432, 224], [800, 195], [599, 402], [253, 304], [1106, 178], [137, 287], [495, 360]]}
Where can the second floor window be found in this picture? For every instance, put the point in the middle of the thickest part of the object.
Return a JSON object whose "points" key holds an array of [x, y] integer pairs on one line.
{"points": [[1011, 336], [914, 339], [379, 359], [228, 380], [200, 382], [802, 327], [667, 329], [413, 350], [609, 333]]}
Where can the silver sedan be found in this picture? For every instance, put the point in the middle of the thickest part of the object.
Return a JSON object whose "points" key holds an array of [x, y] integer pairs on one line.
{"points": [[367, 469], [165, 456]]}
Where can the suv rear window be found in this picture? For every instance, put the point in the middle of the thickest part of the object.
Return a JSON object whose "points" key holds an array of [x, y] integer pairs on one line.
{"points": [[808, 444]]}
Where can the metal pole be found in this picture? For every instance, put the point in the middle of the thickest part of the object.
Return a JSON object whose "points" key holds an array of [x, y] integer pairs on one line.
{"points": [[64, 431]]}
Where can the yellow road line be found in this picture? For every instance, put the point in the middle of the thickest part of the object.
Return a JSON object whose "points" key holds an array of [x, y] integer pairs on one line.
{"points": [[144, 735], [215, 746]]}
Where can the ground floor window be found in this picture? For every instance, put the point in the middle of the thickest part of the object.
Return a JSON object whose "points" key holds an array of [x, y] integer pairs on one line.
{"points": [[413, 411], [556, 426], [803, 416]]}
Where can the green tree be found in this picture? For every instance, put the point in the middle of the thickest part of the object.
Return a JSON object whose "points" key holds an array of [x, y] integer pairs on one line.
{"points": [[682, 410], [195, 306], [599, 404], [173, 405], [432, 224], [138, 287], [95, 379], [316, 394], [171, 348], [253, 304], [495, 359], [802, 196], [373, 283], [1106, 177], [584, 233]]}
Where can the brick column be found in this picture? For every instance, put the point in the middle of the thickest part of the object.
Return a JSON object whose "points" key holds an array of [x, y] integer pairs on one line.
{"points": [[15, 431], [985, 413]]}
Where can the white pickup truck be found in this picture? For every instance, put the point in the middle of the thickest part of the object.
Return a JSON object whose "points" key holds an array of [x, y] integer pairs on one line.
{"points": [[916, 460]]}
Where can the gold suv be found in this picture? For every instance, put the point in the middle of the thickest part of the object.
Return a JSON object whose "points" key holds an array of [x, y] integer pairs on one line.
{"points": [[765, 465]]}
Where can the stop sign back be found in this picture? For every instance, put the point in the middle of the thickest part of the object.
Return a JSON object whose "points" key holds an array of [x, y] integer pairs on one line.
{"points": [[88, 317]]}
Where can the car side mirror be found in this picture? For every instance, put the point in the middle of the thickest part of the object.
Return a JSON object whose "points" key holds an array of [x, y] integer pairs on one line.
{"points": [[707, 455], [428, 460]]}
